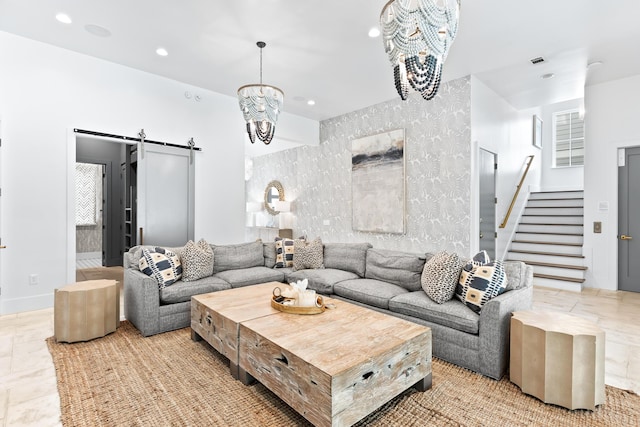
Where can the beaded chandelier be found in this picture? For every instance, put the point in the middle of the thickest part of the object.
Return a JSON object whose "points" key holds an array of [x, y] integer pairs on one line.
{"points": [[417, 35], [260, 105]]}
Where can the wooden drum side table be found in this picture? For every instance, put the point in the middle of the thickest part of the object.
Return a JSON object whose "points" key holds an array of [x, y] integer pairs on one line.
{"points": [[558, 358], [86, 310]]}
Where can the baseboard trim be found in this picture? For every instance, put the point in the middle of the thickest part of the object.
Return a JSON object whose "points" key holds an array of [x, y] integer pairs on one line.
{"points": [[31, 303], [88, 255]]}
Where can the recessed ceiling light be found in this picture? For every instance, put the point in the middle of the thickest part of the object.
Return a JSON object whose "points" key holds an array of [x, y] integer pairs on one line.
{"points": [[374, 32], [162, 51], [311, 102], [97, 30], [64, 18], [547, 76]]}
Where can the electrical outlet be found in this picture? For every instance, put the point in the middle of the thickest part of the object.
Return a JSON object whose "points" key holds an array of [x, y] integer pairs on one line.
{"points": [[33, 279], [326, 222], [597, 227]]}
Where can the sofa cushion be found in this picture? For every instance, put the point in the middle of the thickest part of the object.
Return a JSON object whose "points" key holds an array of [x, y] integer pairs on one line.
{"points": [[197, 260], [400, 268], [250, 276], [452, 314], [516, 272], [321, 280], [346, 256], [308, 255], [480, 283], [368, 291], [183, 291], [233, 257], [440, 276], [284, 252], [161, 264], [269, 253]]}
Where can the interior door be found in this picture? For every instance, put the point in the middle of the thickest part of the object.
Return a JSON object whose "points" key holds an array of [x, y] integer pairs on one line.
{"points": [[628, 223], [165, 191], [487, 200]]}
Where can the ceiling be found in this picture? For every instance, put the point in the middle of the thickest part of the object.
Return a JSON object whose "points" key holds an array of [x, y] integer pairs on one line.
{"points": [[320, 50]]}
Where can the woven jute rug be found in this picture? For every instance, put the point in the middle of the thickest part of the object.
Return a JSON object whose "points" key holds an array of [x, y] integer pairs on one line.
{"points": [[124, 379]]}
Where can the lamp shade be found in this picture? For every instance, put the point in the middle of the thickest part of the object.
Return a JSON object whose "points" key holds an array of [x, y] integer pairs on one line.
{"points": [[282, 206], [254, 206]]}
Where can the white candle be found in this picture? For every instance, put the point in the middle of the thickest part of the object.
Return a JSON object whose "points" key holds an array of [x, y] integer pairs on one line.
{"points": [[307, 298]]}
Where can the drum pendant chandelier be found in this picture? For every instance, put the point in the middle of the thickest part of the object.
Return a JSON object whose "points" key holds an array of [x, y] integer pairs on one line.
{"points": [[260, 105], [417, 35]]}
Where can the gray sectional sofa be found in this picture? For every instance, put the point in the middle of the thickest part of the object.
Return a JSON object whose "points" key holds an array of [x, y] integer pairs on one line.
{"points": [[383, 280]]}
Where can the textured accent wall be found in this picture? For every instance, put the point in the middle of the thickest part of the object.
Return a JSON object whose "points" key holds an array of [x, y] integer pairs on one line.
{"points": [[438, 160]]}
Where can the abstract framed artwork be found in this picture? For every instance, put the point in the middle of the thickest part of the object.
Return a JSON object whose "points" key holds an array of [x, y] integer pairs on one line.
{"points": [[378, 183]]}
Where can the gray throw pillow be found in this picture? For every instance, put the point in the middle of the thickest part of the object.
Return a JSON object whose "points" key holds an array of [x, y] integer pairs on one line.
{"points": [[197, 260], [440, 276]]}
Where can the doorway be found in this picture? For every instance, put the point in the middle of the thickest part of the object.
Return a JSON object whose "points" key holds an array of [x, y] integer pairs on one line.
{"points": [[628, 223], [104, 233], [487, 200], [90, 208]]}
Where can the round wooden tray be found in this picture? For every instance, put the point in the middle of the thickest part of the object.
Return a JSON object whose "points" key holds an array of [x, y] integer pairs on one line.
{"points": [[294, 309]]}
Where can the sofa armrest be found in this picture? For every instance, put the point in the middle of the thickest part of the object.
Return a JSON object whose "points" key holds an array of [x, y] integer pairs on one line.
{"points": [[494, 329], [141, 301]]}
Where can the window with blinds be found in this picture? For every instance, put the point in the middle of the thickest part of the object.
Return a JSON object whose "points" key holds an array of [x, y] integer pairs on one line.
{"points": [[568, 139]]}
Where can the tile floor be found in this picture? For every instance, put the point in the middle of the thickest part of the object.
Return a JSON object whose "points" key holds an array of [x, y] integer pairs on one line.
{"points": [[29, 397]]}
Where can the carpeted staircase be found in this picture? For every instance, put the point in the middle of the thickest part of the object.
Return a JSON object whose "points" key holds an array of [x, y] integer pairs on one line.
{"points": [[549, 237]]}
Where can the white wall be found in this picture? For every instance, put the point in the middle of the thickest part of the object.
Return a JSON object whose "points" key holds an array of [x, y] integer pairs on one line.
{"points": [[612, 111], [45, 91], [499, 128], [553, 179]]}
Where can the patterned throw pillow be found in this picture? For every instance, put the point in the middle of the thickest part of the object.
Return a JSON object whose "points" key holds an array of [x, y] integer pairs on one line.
{"points": [[197, 260], [440, 276], [481, 258], [308, 254], [161, 264], [284, 253], [479, 282]]}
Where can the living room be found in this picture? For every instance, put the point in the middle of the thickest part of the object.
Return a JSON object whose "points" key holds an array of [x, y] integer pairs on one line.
{"points": [[47, 90]]}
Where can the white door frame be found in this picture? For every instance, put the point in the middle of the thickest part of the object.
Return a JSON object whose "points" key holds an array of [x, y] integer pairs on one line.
{"points": [[71, 199], [620, 149]]}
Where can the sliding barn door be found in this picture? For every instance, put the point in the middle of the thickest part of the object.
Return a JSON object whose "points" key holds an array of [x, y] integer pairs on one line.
{"points": [[165, 190]]}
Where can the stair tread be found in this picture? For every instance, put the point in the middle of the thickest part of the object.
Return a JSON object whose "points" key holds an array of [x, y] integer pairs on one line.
{"points": [[549, 264], [547, 243], [539, 223], [546, 253], [550, 234], [563, 198], [554, 215], [566, 279], [554, 207], [557, 191]]}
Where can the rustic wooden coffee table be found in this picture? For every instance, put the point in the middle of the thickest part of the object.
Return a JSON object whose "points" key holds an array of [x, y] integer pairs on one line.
{"points": [[216, 317], [333, 368]]}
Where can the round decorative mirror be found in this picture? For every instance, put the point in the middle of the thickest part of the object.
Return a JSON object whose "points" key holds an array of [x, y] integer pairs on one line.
{"points": [[273, 193]]}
